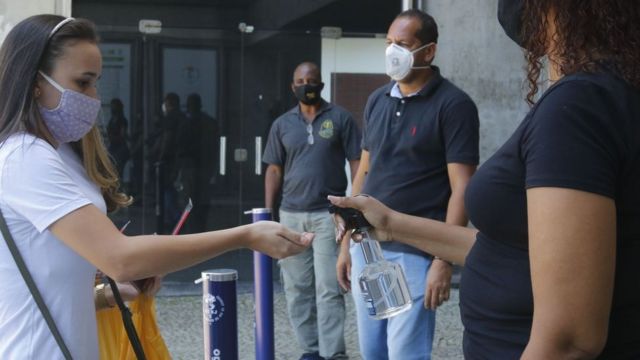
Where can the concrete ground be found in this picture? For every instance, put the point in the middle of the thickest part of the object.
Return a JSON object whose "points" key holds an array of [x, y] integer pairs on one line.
{"points": [[179, 308]]}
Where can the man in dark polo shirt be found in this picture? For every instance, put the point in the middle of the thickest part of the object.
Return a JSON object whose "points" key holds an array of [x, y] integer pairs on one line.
{"points": [[306, 153], [419, 150]]}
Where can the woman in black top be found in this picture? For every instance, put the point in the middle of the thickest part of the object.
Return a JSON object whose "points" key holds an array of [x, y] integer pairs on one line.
{"points": [[556, 207]]}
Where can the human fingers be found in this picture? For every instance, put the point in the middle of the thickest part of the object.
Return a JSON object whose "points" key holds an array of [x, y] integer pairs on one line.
{"points": [[291, 242], [376, 213], [340, 227], [427, 298], [435, 299], [443, 292], [153, 286], [303, 239], [127, 291], [357, 202], [343, 270], [446, 293]]}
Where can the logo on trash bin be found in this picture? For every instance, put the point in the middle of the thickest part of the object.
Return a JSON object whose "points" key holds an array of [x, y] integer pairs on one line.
{"points": [[213, 308]]}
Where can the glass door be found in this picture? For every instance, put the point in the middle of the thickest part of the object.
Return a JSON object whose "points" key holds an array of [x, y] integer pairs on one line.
{"points": [[186, 115]]}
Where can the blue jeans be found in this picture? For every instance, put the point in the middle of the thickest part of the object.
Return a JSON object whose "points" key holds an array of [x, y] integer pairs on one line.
{"points": [[314, 302], [407, 336]]}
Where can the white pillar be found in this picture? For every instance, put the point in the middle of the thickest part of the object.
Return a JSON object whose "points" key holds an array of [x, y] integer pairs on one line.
{"points": [[63, 7], [14, 11]]}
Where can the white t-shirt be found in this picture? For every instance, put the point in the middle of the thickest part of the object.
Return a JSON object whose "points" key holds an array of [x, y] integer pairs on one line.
{"points": [[36, 189]]}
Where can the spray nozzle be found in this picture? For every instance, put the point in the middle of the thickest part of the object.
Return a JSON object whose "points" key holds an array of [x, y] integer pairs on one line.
{"points": [[353, 218]]}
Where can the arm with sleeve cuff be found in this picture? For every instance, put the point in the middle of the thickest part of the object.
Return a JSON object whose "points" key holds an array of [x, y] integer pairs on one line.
{"points": [[460, 131], [272, 184], [574, 151]]}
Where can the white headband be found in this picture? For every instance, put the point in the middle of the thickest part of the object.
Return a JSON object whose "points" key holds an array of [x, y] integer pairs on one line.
{"points": [[60, 24]]}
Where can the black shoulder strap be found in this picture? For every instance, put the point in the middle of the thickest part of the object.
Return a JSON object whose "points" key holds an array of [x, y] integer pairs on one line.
{"points": [[128, 322], [32, 287]]}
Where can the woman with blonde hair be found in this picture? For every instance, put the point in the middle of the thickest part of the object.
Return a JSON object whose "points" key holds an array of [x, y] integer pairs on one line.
{"points": [[49, 66]]}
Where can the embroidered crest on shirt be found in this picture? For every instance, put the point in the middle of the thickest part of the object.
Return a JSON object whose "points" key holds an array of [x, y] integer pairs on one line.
{"points": [[326, 129]]}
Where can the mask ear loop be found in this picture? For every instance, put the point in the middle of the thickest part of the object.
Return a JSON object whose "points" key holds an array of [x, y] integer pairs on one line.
{"points": [[418, 49], [51, 81]]}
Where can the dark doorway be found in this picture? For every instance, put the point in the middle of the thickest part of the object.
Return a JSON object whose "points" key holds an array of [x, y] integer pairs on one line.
{"points": [[230, 65]]}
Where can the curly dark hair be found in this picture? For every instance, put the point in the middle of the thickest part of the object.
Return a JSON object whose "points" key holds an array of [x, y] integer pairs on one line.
{"points": [[588, 33]]}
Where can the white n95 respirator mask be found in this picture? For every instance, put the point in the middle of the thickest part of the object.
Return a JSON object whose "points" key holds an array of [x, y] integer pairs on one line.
{"points": [[399, 61]]}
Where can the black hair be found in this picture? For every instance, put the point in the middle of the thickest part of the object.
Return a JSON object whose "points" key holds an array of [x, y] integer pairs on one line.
{"points": [[589, 35], [315, 69], [117, 107], [428, 31], [30, 47], [194, 102], [173, 100]]}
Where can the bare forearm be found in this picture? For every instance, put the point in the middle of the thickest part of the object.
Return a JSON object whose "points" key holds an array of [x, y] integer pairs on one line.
{"points": [[149, 255], [345, 244], [353, 166], [361, 173], [456, 214], [272, 186], [450, 242]]}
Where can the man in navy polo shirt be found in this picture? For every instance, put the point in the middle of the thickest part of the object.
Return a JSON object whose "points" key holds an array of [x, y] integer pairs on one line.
{"points": [[306, 153], [419, 150]]}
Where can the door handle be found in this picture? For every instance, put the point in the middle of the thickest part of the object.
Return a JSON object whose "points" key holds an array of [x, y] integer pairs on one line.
{"points": [[223, 155], [258, 155]]}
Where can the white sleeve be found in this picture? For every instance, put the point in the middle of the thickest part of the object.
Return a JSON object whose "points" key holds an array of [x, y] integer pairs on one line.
{"points": [[36, 185]]}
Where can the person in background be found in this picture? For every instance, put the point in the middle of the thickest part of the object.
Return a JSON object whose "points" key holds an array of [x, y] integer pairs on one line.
{"points": [[49, 66], [419, 150], [551, 271], [117, 136], [200, 136], [165, 154], [306, 152]]}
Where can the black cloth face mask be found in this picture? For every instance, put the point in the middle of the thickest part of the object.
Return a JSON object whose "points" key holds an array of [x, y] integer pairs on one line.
{"points": [[308, 94], [510, 17]]}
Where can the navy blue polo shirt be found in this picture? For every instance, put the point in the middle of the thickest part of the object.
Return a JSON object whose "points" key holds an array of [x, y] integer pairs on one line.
{"points": [[411, 140], [313, 171], [583, 134]]}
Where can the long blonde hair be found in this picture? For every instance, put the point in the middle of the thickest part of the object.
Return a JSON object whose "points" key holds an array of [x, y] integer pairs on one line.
{"points": [[101, 170]]}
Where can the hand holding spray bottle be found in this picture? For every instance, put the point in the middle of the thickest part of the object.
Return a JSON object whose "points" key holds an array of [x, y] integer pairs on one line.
{"points": [[382, 283]]}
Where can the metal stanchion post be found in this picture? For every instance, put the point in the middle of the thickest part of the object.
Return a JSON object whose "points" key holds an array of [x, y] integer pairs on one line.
{"points": [[220, 314], [263, 290]]}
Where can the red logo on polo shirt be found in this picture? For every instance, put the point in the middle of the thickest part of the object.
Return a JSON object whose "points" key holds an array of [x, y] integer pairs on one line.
{"points": [[413, 130]]}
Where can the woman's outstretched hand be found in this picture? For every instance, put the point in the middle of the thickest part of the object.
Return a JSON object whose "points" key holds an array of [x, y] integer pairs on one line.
{"points": [[376, 213], [277, 241]]}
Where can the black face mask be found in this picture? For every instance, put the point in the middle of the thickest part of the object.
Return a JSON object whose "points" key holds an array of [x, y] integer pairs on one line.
{"points": [[510, 17], [308, 94]]}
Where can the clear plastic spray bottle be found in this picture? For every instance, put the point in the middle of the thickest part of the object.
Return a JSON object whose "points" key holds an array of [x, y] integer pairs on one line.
{"points": [[382, 283]]}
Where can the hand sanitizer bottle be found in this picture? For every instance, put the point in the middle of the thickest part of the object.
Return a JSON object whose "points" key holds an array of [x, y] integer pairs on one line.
{"points": [[382, 283]]}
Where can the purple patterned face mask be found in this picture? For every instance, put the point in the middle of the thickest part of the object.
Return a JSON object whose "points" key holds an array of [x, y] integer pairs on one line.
{"points": [[74, 116]]}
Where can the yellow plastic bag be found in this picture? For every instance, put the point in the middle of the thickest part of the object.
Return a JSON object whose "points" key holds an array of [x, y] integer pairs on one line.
{"points": [[112, 337]]}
